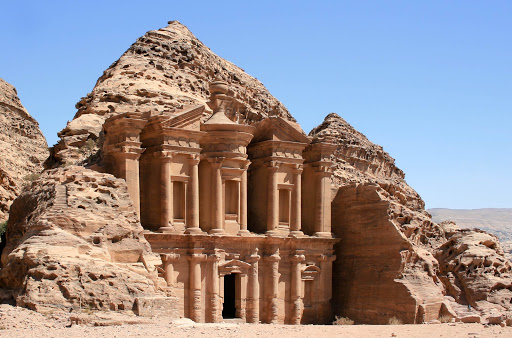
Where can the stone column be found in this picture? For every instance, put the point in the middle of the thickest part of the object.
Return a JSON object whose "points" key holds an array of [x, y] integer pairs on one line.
{"points": [[323, 202], [243, 202], [325, 314], [296, 291], [192, 222], [274, 288], [216, 310], [127, 162], [295, 226], [166, 216], [169, 260], [217, 205], [273, 199], [195, 284], [253, 298]]}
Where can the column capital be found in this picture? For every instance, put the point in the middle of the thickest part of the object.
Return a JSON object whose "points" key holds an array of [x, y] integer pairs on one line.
{"points": [[214, 257], [196, 257], [164, 155], [327, 258], [127, 149], [194, 159], [275, 257], [323, 169], [216, 162], [273, 165], [170, 257], [298, 256], [254, 257]]}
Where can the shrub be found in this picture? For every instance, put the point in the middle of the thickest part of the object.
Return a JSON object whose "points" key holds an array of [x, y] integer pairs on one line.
{"points": [[342, 321], [445, 319], [394, 321], [3, 227], [31, 177]]}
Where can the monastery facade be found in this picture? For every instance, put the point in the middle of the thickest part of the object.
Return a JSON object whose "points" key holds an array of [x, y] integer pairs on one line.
{"points": [[241, 215]]}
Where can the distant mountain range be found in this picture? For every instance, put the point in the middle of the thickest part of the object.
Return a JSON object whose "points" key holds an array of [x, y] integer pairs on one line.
{"points": [[493, 220]]}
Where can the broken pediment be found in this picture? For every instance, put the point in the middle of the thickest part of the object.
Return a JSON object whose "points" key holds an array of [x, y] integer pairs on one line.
{"points": [[187, 118], [278, 129]]}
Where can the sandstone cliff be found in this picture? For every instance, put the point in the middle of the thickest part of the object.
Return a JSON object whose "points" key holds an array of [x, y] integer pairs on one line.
{"points": [[74, 241], [23, 147], [392, 260], [163, 70]]}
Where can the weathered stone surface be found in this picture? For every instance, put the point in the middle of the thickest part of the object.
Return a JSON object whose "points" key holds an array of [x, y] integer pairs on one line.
{"points": [[381, 270], [23, 147], [162, 71], [475, 272], [497, 221], [357, 160], [74, 241], [152, 99]]}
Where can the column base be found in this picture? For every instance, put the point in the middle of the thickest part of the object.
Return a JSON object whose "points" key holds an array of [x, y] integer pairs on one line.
{"points": [[272, 233], [323, 234], [217, 232], [296, 233], [244, 233], [194, 231], [167, 230]]}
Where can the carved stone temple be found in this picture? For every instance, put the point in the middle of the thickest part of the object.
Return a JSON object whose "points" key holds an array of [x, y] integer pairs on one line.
{"points": [[239, 214]]}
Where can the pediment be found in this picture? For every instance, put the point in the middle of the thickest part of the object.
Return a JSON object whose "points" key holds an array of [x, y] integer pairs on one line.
{"points": [[187, 118], [234, 266], [278, 129]]}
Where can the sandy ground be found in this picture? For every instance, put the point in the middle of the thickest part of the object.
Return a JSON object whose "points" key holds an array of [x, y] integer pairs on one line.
{"points": [[17, 322]]}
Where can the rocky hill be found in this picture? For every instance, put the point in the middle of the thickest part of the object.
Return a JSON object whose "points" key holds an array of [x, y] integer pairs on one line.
{"points": [[23, 148], [393, 260], [163, 70], [493, 220]]}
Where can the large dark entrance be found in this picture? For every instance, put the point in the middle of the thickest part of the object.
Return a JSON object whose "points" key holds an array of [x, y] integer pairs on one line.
{"points": [[229, 309]]}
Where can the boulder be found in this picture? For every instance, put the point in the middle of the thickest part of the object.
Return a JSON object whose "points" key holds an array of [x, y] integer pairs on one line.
{"points": [[74, 241]]}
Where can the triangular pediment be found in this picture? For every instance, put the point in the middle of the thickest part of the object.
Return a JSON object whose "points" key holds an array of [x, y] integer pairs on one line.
{"points": [[234, 266], [278, 129], [187, 118]]}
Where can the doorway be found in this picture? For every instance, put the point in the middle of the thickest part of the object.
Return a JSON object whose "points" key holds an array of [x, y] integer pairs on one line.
{"points": [[229, 307]]}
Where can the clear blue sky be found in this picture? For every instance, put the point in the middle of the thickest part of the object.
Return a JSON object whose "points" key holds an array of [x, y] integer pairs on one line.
{"points": [[430, 81]]}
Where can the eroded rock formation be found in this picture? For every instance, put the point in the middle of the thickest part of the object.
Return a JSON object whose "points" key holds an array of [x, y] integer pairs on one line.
{"points": [[392, 260], [74, 241], [162, 71], [23, 147], [474, 270]]}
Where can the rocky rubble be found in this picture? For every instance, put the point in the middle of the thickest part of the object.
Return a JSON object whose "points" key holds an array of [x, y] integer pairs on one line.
{"points": [[163, 70], [74, 241], [23, 148]]}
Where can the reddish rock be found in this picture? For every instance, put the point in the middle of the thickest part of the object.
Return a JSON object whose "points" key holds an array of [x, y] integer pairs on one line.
{"points": [[23, 148], [74, 241]]}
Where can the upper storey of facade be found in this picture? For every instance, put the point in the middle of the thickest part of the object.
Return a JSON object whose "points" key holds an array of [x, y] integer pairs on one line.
{"points": [[218, 176]]}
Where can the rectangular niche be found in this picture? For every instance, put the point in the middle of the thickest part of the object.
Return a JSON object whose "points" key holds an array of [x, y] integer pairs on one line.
{"points": [[231, 199], [284, 206], [178, 198]]}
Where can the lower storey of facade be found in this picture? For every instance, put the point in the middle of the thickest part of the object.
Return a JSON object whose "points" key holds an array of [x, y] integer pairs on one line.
{"points": [[255, 278]]}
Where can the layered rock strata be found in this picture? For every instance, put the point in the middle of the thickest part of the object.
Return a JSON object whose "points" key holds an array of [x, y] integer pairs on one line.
{"points": [[23, 148], [162, 71], [392, 260], [74, 241]]}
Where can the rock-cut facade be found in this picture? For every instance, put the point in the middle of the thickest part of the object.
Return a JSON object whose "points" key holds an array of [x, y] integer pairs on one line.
{"points": [[239, 214]]}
